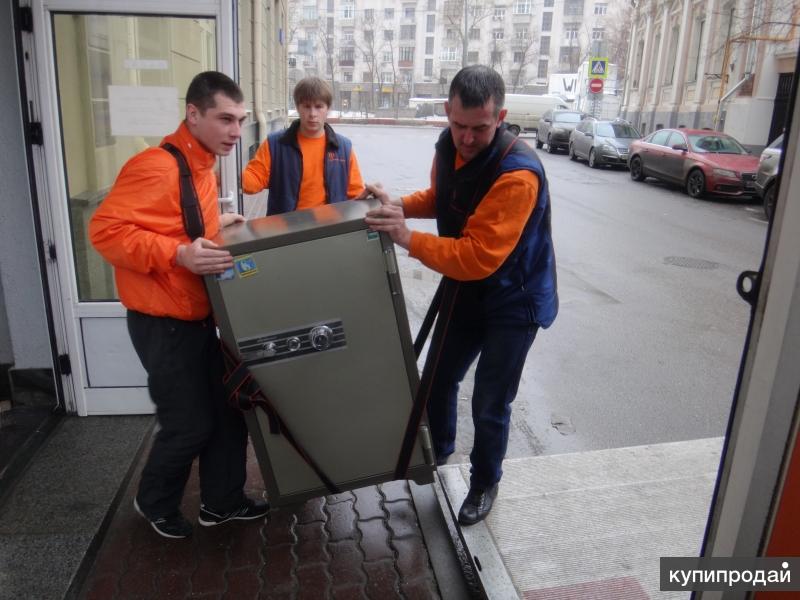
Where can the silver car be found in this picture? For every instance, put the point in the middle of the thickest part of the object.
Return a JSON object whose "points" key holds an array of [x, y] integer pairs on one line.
{"points": [[767, 174], [602, 142]]}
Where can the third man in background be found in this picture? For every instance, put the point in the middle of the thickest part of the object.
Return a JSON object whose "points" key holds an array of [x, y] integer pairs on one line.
{"points": [[308, 164]]}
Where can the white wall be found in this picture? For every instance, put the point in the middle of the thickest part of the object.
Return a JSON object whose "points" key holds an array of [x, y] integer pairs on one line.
{"points": [[19, 268]]}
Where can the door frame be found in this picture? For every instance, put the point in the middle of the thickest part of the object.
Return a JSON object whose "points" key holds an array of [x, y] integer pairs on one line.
{"points": [[50, 179]]}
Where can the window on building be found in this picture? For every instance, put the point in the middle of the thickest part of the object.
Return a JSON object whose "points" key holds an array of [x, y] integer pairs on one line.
{"points": [[387, 77], [573, 7], [409, 12], [521, 33], [366, 77], [474, 33], [330, 26], [387, 56], [428, 67], [499, 13], [694, 50], [600, 8], [549, 3], [310, 13], [369, 15], [388, 34], [431, 4], [717, 50], [347, 76], [570, 32], [498, 34], [388, 13], [497, 57], [348, 10], [429, 45], [369, 35], [542, 72], [473, 58], [518, 57], [544, 45], [407, 54], [598, 34], [347, 35], [330, 6], [669, 73], [654, 53], [568, 56], [448, 53], [430, 24], [408, 32], [522, 7], [547, 21], [638, 62], [347, 54]]}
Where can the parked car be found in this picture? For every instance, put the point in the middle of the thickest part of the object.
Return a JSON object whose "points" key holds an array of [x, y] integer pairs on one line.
{"points": [[602, 142], [700, 160], [524, 110], [555, 127], [767, 174]]}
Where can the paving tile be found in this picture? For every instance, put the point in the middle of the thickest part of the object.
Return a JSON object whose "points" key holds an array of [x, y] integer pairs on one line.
{"points": [[313, 582], [312, 540], [279, 528], [341, 521], [209, 576], [350, 592], [421, 588], [375, 540], [313, 510], [278, 570], [346, 564], [343, 497], [102, 587], [245, 548], [283, 593], [396, 490], [137, 583], [403, 520], [173, 584], [382, 580], [179, 555], [369, 503], [412, 557], [241, 584]]}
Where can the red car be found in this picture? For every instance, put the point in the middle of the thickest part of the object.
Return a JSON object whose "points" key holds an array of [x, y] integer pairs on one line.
{"points": [[702, 161]]}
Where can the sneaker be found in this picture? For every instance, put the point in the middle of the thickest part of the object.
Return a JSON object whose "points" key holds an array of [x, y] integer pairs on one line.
{"points": [[249, 510], [174, 526]]}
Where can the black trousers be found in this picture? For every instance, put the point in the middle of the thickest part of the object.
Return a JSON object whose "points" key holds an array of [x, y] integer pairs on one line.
{"points": [[184, 365]]}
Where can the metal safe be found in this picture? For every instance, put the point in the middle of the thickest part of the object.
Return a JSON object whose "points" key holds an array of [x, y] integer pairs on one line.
{"points": [[315, 309]]}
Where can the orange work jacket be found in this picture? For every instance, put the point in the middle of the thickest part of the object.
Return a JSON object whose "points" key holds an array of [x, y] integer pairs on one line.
{"points": [[138, 228]]}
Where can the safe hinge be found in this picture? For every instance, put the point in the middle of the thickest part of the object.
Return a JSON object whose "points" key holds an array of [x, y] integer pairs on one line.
{"points": [[25, 18], [64, 366], [51, 251], [35, 133]]}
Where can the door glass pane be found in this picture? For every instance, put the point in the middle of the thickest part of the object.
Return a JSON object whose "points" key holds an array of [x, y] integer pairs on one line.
{"points": [[103, 127]]}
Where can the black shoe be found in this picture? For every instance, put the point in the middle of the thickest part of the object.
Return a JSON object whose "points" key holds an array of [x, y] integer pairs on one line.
{"points": [[175, 526], [477, 505], [249, 510]]}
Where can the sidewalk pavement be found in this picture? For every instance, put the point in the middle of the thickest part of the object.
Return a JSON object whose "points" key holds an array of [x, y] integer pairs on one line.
{"points": [[361, 544]]}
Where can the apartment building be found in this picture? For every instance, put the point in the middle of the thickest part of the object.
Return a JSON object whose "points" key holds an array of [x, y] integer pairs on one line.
{"points": [[379, 53], [721, 64]]}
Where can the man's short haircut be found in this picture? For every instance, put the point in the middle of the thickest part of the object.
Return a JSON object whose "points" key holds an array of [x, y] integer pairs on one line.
{"points": [[311, 89], [207, 84], [476, 85]]}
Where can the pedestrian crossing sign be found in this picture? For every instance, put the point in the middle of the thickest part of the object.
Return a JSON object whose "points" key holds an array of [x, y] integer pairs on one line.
{"points": [[598, 68]]}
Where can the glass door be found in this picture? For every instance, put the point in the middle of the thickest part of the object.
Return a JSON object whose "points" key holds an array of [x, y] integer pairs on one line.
{"points": [[110, 84]]}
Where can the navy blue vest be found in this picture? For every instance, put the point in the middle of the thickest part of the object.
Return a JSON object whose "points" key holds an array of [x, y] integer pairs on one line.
{"points": [[286, 170], [523, 288]]}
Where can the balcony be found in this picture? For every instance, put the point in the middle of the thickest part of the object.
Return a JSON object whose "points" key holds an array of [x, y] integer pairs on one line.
{"points": [[347, 62], [405, 64]]}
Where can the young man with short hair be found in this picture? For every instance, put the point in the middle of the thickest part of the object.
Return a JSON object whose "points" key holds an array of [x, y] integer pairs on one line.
{"points": [[490, 198], [139, 229], [308, 164]]}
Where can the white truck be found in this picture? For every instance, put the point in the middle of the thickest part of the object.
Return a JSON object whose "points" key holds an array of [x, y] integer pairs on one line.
{"points": [[524, 110]]}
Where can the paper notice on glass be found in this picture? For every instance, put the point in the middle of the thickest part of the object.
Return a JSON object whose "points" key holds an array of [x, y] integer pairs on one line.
{"points": [[147, 111]]}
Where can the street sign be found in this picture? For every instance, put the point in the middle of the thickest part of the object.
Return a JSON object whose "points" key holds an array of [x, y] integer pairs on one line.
{"points": [[598, 68], [596, 86]]}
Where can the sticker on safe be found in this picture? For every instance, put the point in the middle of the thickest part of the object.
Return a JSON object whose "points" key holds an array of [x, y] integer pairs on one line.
{"points": [[245, 266], [226, 275]]}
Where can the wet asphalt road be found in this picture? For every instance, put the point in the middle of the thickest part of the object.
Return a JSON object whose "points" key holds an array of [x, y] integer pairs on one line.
{"points": [[648, 341]]}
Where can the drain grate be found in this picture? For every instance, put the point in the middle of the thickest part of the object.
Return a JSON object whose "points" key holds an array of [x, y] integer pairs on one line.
{"points": [[690, 263]]}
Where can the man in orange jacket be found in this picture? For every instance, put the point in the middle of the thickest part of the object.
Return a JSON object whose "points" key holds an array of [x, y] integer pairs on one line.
{"points": [[139, 229]]}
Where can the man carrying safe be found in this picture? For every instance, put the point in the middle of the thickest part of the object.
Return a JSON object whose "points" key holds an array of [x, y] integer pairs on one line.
{"points": [[490, 199], [139, 229]]}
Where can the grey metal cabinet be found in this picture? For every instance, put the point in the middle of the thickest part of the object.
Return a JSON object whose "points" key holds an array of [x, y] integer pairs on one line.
{"points": [[315, 309]]}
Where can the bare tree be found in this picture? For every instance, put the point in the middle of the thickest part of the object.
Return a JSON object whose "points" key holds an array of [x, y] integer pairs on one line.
{"points": [[370, 48], [619, 25], [463, 16], [524, 50], [328, 46]]}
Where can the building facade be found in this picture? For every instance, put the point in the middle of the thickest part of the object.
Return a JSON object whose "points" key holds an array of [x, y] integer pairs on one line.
{"points": [[718, 64], [380, 53]]}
